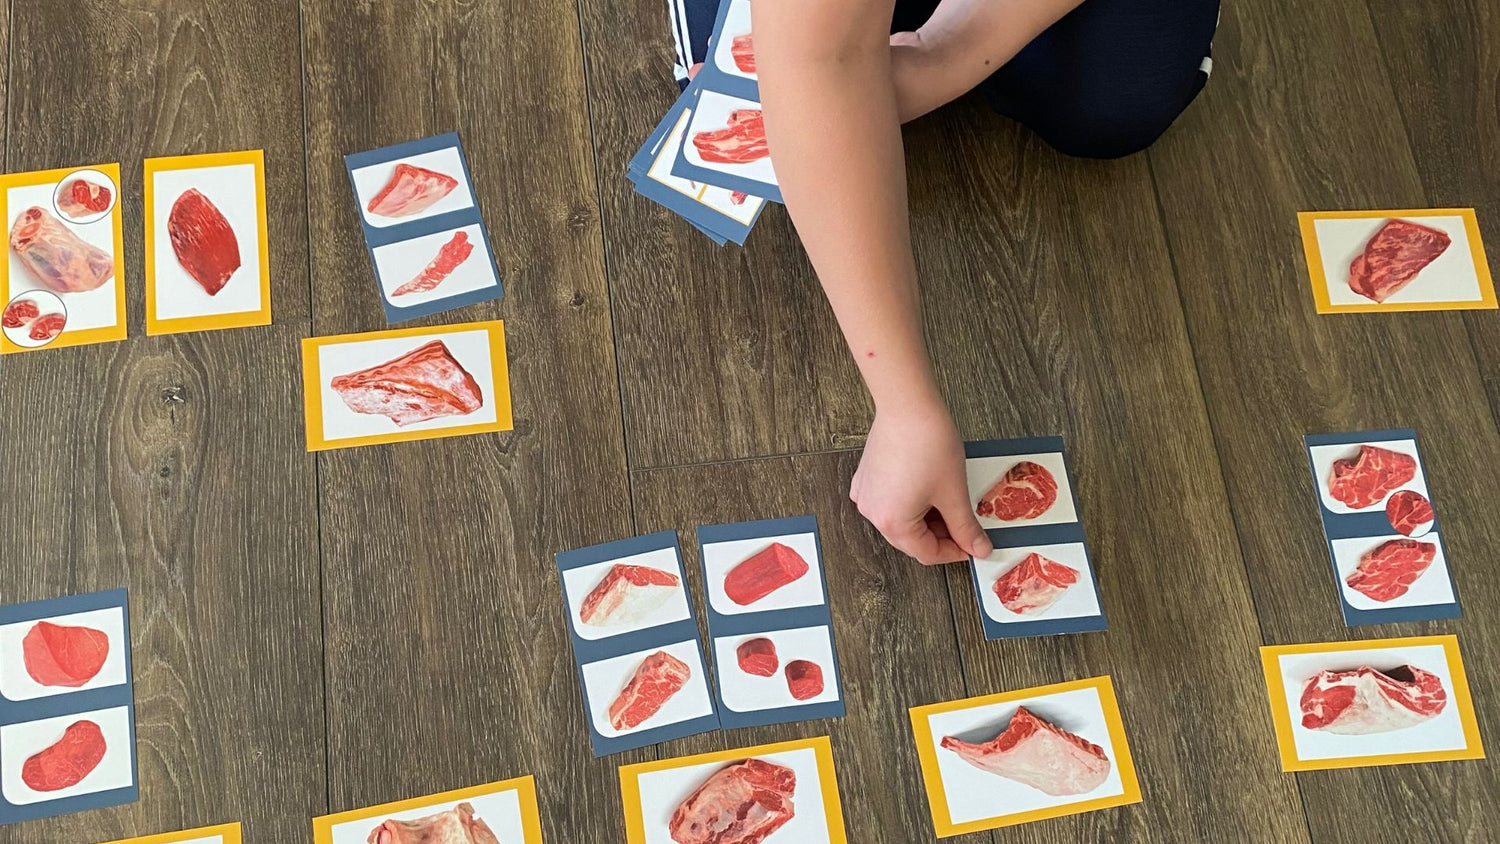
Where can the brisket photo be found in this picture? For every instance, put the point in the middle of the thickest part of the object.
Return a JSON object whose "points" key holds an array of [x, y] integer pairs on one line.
{"points": [[204, 243], [55, 257], [1035, 753], [82, 198], [627, 595], [1365, 701], [742, 803], [452, 253], [1393, 257], [1034, 585], [63, 657], [411, 190], [1409, 513], [422, 384], [741, 142], [763, 573], [757, 657], [656, 679], [742, 49], [804, 678], [68, 761], [1366, 479], [1025, 492], [1387, 571], [455, 826]]}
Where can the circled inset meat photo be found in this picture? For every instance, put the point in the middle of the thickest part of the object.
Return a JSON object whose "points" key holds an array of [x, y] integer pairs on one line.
{"points": [[85, 196], [34, 318], [1399, 260]]}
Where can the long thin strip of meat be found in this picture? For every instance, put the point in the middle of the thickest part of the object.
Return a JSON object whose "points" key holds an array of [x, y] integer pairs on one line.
{"points": [[452, 253]]}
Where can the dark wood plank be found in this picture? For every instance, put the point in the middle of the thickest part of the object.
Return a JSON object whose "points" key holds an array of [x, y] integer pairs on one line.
{"points": [[892, 627], [174, 466], [448, 659], [1301, 115]]}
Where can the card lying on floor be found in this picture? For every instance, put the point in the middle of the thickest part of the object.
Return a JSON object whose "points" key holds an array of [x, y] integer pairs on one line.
{"points": [[722, 214], [1409, 260], [63, 280], [725, 145], [769, 625], [67, 707], [1022, 756], [640, 663], [405, 384], [1039, 581], [224, 834], [1372, 702], [1382, 529], [207, 258], [422, 225], [788, 789], [504, 811]]}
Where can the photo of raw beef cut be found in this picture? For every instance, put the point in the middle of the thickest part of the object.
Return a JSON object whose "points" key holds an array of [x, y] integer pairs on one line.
{"points": [[627, 595], [763, 573], [1366, 479], [68, 761], [452, 253], [1034, 585], [204, 243], [411, 190], [47, 326], [422, 384], [65, 657], [804, 678], [1365, 701], [741, 142], [1025, 492], [82, 198], [1409, 512], [1035, 753], [757, 656], [455, 826], [20, 312], [742, 48], [1387, 571], [1393, 257], [55, 257], [742, 803], [658, 677]]}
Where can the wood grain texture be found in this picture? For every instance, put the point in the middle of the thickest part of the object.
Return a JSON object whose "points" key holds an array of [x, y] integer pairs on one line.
{"points": [[1302, 116]]}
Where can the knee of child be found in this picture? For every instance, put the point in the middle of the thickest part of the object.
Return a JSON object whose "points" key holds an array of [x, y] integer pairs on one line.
{"points": [[1117, 122]]}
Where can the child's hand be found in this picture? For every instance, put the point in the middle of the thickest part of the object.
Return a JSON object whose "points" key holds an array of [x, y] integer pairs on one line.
{"points": [[912, 487]]}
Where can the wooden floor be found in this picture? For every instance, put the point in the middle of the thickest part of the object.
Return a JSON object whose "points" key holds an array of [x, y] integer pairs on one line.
{"points": [[314, 634]]}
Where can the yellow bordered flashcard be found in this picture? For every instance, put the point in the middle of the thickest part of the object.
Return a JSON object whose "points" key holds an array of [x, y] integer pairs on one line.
{"points": [[207, 256], [228, 833], [506, 810], [63, 279], [405, 384], [980, 756], [1370, 702], [795, 778], [1404, 260]]}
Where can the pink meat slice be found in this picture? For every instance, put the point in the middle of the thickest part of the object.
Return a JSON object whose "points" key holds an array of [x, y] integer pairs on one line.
{"points": [[411, 190], [626, 595], [1365, 701], [454, 826], [1369, 477], [82, 198], [203, 241], [741, 142], [757, 656], [1408, 511], [55, 257], [1025, 492], [1034, 585], [48, 326], [741, 803], [64, 656], [656, 680], [67, 761], [1387, 571], [452, 253], [742, 49], [1393, 257], [422, 384], [19, 313], [1036, 753], [764, 572]]}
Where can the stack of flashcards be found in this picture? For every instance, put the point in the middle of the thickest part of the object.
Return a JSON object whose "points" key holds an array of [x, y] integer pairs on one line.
{"points": [[1382, 528], [769, 626], [1408, 260], [503, 811], [223, 834], [67, 707], [636, 643], [708, 160], [423, 227], [1039, 580]]}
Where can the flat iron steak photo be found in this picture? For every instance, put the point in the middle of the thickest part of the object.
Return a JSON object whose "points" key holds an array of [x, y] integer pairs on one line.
{"points": [[1393, 257], [203, 241], [655, 681]]}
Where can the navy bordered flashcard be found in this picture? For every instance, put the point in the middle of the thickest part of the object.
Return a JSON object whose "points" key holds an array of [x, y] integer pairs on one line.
{"points": [[67, 707], [423, 228], [636, 643], [725, 144], [730, 67], [769, 626], [1039, 581], [723, 215], [1382, 527]]}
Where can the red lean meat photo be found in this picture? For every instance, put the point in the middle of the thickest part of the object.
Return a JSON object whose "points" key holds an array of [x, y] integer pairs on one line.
{"points": [[763, 573], [204, 243], [1393, 257], [82, 198], [741, 142], [1409, 512], [1387, 571], [452, 253], [757, 656], [1365, 701], [1034, 585], [422, 384], [48, 326], [20, 312], [658, 677], [1035, 753], [742, 48], [1027, 491], [804, 678], [55, 257], [627, 595], [1368, 478], [411, 190], [68, 761], [455, 826], [65, 657], [742, 803]]}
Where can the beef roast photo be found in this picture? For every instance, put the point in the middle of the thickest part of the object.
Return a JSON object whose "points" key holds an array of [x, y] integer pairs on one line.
{"points": [[742, 803], [55, 257], [655, 681], [1034, 585], [454, 826], [1393, 257], [425, 383], [1033, 752], [764, 572], [757, 656], [1388, 570], [1365, 701], [411, 190], [627, 595], [1026, 491], [62, 656], [1364, 480]]}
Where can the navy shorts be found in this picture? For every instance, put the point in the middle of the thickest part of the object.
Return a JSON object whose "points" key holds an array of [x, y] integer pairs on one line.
{"points": [[1104, 82]]}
